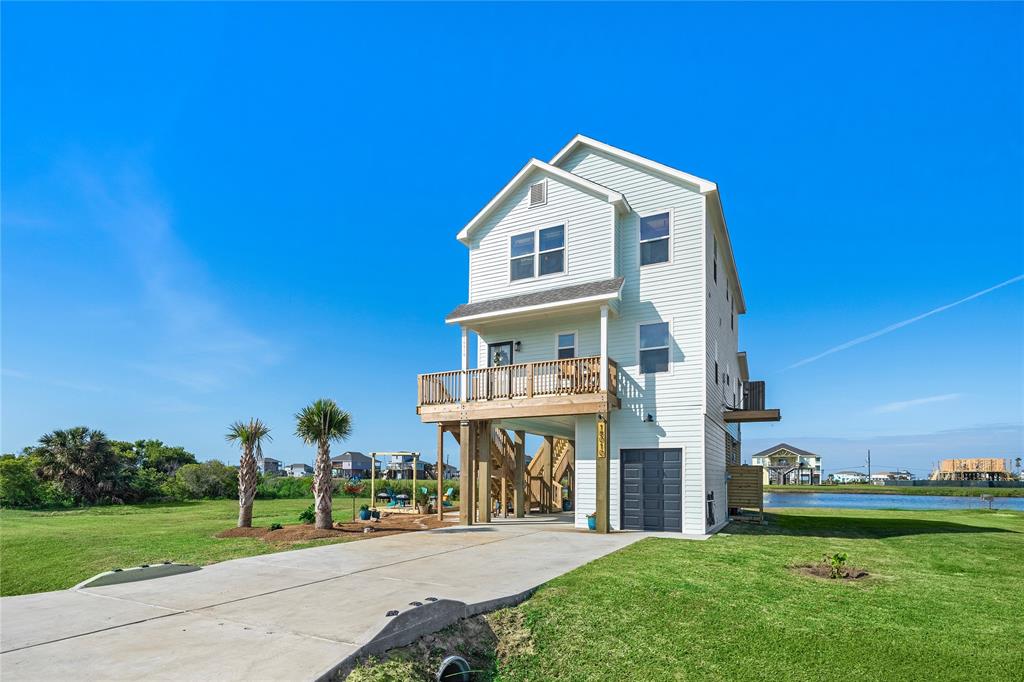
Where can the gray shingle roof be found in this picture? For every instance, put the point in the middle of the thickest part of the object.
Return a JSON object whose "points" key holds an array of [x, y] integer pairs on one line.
{"points": [[789, 447], [569, 293]]}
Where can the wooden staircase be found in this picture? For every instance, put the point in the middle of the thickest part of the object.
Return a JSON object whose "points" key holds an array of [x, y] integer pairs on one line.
{"points": [[564, 459], [503, 471]]}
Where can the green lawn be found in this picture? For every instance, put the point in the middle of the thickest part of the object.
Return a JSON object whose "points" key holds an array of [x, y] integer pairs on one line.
{"points": [[944, 602], [42, 551], [895, 490]]}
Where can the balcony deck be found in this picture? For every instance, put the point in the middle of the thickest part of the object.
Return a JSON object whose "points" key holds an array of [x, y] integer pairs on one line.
{"points": [[531, 389]]}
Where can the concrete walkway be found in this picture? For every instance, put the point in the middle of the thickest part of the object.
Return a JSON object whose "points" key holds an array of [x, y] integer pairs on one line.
{"points": [[289, 616]]}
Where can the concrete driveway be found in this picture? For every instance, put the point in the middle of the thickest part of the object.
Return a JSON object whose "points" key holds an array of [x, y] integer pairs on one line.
{"points": [[293, 615]]}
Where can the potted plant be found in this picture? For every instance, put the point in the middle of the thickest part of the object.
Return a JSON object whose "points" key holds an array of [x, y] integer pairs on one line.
{"points": [[423, 501], [364, 512], [354, 489], [592, 521]]}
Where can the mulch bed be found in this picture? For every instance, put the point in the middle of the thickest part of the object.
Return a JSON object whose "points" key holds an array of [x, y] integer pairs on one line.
{"points": [[825, 571], [392, 524]]}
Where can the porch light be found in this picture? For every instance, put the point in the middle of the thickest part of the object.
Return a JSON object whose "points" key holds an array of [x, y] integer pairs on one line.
{"points": [[519, 346], [649, 418]]}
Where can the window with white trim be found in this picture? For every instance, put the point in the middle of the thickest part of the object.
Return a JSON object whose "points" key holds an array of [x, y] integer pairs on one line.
{"points": [[654, 238], [566, 345], [537, 253], [654, 348]]}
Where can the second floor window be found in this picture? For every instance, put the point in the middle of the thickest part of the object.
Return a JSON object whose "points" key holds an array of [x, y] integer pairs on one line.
{"points": [[566, 345], [654, 347], [654, 236], [537, 253]]}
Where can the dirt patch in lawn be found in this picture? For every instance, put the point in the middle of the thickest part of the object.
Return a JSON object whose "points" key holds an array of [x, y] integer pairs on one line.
{"points": [[824, 571], [485, 641], [391, 524]]}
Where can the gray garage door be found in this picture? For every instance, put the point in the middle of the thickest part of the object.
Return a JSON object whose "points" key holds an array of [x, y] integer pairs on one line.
{"points": [[652, 489]]}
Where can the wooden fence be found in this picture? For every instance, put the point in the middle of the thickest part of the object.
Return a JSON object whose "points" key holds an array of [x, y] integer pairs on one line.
{"points": [[746, 487]]}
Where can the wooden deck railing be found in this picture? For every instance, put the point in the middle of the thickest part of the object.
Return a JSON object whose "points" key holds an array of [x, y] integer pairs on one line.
{"points": [[573, 376]]}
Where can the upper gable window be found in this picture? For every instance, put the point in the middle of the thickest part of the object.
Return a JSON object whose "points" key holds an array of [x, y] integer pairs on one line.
{"points": [[654, 238], [539, 253], [539, 193]]}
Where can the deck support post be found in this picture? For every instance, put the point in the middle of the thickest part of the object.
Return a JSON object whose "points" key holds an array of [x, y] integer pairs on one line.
{"points": [[520, 475], [465, 365], [373, 480], [415, 482], [547, 489], [603, 473], [439, 497], [604, 348], [466, 444], [485, 442], [504, 489]]}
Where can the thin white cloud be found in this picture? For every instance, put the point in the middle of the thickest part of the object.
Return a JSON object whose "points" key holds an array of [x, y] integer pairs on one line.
{"points": [[901, 405], [59, 383], [196, 341], [904, 323]]}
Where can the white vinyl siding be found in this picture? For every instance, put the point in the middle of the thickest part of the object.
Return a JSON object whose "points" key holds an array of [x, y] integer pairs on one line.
{"points": [[673, 291], [685, 403], [538, 338], [588, 239]]}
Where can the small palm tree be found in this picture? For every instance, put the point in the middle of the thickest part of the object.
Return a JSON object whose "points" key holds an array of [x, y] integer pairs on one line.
{"points": [[320, 424], [250, 437]]}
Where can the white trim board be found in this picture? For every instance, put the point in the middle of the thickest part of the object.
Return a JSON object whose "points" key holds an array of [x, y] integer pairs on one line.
{"points": [[612, 197]]}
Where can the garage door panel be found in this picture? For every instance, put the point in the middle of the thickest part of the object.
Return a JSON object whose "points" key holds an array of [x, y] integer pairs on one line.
{"points": [[651, 489]]}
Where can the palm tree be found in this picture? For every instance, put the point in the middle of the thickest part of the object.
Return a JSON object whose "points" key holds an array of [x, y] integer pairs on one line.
{"points": [[250, 438], [81, 461], [321, 423]]}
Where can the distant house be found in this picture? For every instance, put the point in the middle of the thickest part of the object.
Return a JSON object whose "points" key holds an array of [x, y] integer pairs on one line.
{"points": [[298, 470], [881, 477], [972, 469], [785, 464], [399, 466], [349, 464], [268, 465], [848, 477]]}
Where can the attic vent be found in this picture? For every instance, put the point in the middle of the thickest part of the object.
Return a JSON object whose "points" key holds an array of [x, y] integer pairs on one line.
{"points": [[538, 193]]}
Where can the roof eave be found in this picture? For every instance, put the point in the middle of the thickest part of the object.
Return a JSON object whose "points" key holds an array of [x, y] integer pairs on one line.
{"points": [[700, 184], [524, 310], [611, 196]]}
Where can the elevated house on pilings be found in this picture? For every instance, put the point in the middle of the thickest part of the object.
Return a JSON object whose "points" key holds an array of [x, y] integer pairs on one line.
{"points": [[604, 301]]}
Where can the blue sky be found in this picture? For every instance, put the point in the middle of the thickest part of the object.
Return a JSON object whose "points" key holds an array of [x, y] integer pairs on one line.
{"points": [[211, 212]]}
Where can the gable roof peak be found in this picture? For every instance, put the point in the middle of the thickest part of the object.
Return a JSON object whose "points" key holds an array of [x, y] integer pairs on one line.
{"points": [[702, 185], [589, 186]]}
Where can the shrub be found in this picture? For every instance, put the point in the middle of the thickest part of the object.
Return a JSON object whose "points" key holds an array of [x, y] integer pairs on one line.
{"points": [[276, 526], [19, 486], [284, 487], [836, 563], [207, 480], [308, 515], [146, 484]]}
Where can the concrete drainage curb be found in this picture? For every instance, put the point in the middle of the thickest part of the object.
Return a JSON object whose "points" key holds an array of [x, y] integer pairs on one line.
{"points": [[135, 574], [410, 625]]}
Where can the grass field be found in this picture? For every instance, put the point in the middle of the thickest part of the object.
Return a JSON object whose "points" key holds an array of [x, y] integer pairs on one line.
{"points": [[943, 601], [41, 551], [895, 490]]}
